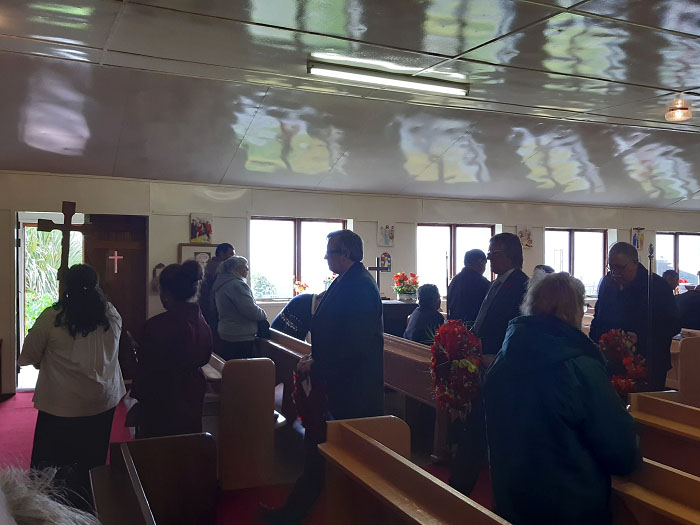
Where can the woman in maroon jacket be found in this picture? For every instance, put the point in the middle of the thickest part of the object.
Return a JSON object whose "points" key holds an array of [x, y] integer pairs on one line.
{"points": [[174, 346]]}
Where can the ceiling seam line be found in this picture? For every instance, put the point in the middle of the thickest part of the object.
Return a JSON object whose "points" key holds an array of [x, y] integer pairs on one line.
{"points": [[240, 143], [110, 35]]}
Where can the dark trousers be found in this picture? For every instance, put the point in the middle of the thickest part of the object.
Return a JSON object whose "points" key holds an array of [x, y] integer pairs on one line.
{"points": [[73, 445], [237, 350], [472, 449], [309, 485]]}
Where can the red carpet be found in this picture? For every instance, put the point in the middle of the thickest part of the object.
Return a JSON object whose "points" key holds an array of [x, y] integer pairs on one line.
{"points": [[17, 422], [18, 418]]}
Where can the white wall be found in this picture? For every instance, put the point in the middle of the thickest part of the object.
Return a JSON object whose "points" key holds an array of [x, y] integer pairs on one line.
{"points": [[168, 206]]}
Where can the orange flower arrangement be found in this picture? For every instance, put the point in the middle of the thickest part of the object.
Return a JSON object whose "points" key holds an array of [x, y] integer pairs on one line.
{"points": [[404, 283]]}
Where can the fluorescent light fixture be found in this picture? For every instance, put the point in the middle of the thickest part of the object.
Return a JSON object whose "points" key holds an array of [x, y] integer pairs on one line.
{"points": [[678, 110], [378, 78]]}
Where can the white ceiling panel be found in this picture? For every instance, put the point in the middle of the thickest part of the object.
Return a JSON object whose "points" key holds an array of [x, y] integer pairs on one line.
{"points": [[59, 116], [443, 27], [598, 48], [566, 101], [78, 22]]}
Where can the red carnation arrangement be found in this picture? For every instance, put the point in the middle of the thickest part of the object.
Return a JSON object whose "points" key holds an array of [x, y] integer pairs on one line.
{"points": [[627, 368], [404, 283], [455, 366]]}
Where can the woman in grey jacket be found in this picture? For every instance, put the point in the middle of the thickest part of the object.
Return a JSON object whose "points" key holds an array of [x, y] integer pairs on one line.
{"points": [[238, 312]]}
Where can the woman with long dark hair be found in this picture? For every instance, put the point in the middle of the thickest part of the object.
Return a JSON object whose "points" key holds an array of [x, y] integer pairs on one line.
{"points": [[75, 345], [174, 346]]}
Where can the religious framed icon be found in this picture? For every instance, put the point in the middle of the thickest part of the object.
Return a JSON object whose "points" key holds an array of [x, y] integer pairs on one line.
{"points": [[201, 229], [200, 252], [385, 234]]}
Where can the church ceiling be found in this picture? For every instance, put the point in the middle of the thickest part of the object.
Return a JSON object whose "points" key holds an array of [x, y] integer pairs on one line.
{"points": [[566, 104]]}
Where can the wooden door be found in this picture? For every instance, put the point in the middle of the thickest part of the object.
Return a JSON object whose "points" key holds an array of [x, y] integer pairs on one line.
{"points": [[124, 274]]}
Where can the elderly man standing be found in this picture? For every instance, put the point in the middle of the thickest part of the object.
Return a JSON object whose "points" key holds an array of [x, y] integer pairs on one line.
{"points": [[468, 288], [622, 303], [502, 303], [347, 337]]}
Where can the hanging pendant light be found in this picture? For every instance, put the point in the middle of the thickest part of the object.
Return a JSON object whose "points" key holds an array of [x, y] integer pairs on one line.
{"points": [[678, 110]]}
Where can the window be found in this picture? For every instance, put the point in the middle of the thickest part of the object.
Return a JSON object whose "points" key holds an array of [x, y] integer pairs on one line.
{"points": [[441, 249], [285, 250], [680, 252], [582, 253]]}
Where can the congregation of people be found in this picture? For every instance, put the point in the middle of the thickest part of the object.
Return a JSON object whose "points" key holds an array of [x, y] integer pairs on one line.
{"points": [[547, 422]]}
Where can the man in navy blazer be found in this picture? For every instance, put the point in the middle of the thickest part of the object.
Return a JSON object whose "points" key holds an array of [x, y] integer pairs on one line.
{"points": [[347, 355], [502, 302]]}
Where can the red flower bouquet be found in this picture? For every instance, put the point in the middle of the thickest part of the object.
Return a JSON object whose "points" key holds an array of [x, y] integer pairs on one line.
{"points": [[455, 366], [405, 283], [627, 368]]}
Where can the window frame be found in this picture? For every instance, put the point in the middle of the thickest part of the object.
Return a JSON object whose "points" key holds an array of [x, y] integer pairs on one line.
{"points": [[298, 221], [453, 240], [571, 232], [676, 246]]}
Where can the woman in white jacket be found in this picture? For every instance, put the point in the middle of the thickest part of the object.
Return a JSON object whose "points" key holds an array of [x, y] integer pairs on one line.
{"points": [[238, 312], [75, 345]]}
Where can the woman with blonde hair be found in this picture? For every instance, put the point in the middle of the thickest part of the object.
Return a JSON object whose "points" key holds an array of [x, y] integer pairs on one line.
{"points": [[556, 428]]}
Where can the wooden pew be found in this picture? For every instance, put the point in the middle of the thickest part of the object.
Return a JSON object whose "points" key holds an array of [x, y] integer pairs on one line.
{"points": [[158, 481], [370, 480], [285, 351], [669, 430], [407, 370], [673, 378], [656, 495]]}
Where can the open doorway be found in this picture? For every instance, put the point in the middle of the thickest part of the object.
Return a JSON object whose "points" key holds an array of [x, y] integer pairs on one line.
{"points": [[39, 257]]}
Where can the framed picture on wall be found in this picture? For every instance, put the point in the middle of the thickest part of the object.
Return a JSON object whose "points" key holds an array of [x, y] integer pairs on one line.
{"points": [[201, 229], [200, 252]]}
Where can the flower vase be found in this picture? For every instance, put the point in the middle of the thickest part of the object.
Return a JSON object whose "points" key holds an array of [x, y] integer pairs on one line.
{"points": [[406, 297]]}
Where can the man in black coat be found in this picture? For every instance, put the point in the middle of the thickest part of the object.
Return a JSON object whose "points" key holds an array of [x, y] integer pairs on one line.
{"points": [[347, 337], [468, 288], [689, 307], [622, 304]]}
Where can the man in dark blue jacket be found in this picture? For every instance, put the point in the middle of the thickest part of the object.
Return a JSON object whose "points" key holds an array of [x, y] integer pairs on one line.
{"points": [[468, 288], [502, 302], [347, 337], [622, 304]]}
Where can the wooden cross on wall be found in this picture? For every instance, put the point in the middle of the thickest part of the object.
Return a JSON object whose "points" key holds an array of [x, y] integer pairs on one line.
{"points": [[45, 225], [379, 269]]}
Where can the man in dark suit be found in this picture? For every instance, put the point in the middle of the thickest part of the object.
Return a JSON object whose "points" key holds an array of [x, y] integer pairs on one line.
{"points": [[468, 288], [347, 336], [502, 303], [622, 303], [689, 307]]}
